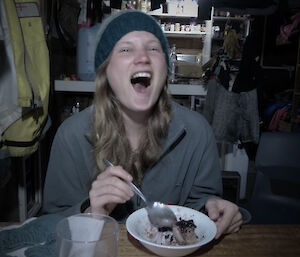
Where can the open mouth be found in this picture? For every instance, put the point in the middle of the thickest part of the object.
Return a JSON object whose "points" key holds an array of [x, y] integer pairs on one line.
{"points": [[141, 78]]}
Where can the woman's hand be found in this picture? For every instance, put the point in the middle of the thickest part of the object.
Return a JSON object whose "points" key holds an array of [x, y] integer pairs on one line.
{"points": [[225, 214], [110, 189]]}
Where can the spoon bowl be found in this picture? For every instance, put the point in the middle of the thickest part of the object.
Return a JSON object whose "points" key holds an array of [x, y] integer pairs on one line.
{"points": [[159, 214]]}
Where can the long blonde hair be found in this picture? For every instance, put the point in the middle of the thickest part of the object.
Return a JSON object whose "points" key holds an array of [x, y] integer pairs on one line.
{"points": [[108, 132]]}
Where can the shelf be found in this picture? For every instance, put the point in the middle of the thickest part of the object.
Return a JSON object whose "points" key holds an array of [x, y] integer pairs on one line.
{"points": [[191, 12], [221, 18], [187, 89], [169, 15], [74, 86], [88, 86], [184, 34]]}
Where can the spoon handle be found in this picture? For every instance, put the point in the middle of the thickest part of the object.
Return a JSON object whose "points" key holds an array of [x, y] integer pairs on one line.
{"points": [[133, 186]]}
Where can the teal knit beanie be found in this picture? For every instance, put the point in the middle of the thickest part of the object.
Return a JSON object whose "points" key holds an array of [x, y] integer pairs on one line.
{"points": [[118, 25]]}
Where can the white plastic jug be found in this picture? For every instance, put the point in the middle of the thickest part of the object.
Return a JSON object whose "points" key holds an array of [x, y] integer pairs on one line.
{"points": [[236, 159], [86, 52]]}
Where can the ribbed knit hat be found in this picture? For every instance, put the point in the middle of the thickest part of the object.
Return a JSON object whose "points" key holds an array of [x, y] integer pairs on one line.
{"points": [[119, 24]]}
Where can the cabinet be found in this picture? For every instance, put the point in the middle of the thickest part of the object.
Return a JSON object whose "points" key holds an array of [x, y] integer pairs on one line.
{"points": [[184, 29], [181, 26], [202, 36]]}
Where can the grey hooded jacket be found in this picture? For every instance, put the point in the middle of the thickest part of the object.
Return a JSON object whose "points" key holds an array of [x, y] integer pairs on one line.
{"points": [[187, 173]]}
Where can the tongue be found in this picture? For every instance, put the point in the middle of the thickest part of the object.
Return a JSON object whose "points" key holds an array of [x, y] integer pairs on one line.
{"points": [[139, 88]]}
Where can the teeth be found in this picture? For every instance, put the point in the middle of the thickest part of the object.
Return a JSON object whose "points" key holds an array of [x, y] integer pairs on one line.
{"points": [[141, 75], [141, 78]]}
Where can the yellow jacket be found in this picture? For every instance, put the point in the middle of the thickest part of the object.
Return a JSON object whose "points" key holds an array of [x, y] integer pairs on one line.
{"points": [[31, 63]]}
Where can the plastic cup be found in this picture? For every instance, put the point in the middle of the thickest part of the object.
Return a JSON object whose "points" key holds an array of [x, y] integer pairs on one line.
{"points": [[87, 235]]}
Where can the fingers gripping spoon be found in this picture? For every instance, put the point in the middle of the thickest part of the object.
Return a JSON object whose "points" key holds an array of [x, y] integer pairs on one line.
{"points": [[160, 215]]}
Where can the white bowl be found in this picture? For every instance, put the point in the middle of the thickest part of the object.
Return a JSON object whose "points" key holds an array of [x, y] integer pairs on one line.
{"points": [[138, 223]]}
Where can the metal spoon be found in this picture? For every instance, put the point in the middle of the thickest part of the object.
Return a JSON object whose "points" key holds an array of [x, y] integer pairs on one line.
{"points": [[159, 214]]}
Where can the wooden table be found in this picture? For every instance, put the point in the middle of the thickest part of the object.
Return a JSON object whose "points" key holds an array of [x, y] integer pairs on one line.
{"points": [[251, 240]]}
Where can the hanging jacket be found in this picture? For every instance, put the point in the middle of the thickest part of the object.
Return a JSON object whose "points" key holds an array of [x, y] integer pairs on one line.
{"points": [[30, 59], [10, 110]]}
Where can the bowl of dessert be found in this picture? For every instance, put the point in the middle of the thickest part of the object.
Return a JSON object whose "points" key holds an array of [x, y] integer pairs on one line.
{"points": [[192, 230]]}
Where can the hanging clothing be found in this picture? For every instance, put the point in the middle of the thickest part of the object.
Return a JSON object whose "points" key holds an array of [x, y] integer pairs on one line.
{"points": [[10, 110], [231, 45], [250, 75], [27, 53], [280, 114], [289, 31], [233, 116]]}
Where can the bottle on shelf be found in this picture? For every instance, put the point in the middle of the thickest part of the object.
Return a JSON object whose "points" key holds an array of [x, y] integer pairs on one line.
{"points": [[76, 108], [173, 63]]}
